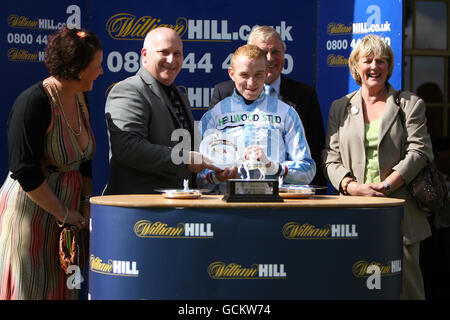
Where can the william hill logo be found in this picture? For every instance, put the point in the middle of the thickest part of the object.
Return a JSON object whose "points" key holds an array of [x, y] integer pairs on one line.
{"points": [[126, 26], [338, 29], [363, 269], [221, 270], [15, 21], [113, 267], [294, 230], [158, 229], [337, 60], [22, 55], [373, 271]]}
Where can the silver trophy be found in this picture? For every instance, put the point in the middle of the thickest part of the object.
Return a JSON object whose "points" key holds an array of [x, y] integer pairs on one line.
{"points": [[227, 151]]}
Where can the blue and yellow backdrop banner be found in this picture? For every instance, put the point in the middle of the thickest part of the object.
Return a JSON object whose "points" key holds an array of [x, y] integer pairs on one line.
{"points": [[319, 36]]}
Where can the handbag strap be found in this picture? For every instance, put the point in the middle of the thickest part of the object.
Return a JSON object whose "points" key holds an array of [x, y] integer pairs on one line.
{"points": [[397, 97], [401, 112]]}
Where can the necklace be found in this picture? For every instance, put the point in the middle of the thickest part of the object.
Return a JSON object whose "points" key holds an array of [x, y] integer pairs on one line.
{"points": [[64, 115]]}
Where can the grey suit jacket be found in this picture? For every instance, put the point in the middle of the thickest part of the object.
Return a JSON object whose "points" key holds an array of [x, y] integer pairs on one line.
{"points": [[404, 145], [140, 123]]}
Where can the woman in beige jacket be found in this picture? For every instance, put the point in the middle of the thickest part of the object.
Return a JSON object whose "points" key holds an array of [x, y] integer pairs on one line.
{"points": [[377, 141]]}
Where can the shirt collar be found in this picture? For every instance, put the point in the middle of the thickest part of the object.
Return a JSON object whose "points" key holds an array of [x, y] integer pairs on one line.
{"points": [[239, 97], [276, 85]]}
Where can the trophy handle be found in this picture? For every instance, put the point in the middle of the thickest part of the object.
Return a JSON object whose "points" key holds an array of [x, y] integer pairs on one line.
{"points": [[262, 174]]}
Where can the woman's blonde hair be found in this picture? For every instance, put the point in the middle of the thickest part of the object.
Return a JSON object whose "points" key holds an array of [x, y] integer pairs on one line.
{"points": [[367, 46]]}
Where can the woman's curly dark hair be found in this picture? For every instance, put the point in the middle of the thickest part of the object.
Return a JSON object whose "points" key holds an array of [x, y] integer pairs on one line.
{"points": [[70, 51]]}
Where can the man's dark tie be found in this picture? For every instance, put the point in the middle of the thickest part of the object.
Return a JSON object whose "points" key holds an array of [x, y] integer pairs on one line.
{"points": [[177, 106]]}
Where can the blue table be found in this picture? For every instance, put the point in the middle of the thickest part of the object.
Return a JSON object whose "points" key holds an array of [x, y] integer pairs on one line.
{"points": [[326, 247]]}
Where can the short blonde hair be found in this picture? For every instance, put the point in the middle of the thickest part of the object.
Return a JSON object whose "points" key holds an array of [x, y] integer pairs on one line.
{"points": [[249, 50], [370, 44]]}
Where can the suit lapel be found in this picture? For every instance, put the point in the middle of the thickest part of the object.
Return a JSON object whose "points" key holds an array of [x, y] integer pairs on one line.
{"points": [[356, 126], [389, 114], [284, 92], [356, 113], [187, 109], [283, 88], [159, 92]]}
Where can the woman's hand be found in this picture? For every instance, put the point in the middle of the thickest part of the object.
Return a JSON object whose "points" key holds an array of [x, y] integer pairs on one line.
{"points": [[370, 190], [44, 197], [76, 219], [85, 210]]}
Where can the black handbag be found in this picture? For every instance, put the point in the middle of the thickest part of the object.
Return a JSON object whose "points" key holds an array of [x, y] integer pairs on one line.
{"points": [[429, 189]]}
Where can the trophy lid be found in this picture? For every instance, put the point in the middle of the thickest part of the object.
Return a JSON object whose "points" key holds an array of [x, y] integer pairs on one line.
{"points": [[223, 152]]}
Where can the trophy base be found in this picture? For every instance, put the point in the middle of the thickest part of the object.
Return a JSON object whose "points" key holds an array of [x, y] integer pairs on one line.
{"points": [[239, 190]]}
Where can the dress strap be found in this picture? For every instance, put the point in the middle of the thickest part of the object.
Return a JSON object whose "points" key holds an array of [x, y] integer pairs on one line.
{"points": [[81, 106], [49, 92]]}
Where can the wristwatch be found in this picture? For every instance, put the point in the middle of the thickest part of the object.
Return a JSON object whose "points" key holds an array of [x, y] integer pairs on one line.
{"points": [[387, 186]]}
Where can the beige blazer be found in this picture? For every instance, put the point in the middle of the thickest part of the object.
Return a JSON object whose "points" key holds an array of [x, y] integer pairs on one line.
{"points": [[404, 145]]}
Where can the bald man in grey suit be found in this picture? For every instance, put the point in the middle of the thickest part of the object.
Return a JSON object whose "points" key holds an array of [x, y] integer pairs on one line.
{"points": [[142, 113]]}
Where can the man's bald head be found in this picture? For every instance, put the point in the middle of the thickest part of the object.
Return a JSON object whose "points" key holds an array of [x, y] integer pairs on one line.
{"points": [[162, 54]]}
